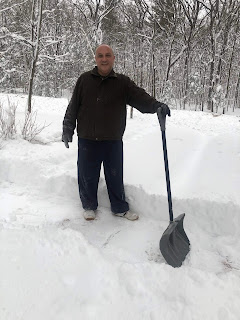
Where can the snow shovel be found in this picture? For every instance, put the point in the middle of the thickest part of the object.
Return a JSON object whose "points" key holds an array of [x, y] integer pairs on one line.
{"points": [[174, 244]]}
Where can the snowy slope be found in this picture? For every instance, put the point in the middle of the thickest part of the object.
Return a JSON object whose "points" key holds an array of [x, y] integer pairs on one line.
{"points": [[56, 265]]}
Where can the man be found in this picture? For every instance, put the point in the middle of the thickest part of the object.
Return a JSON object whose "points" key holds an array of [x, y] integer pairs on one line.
{"points": [[99, 104]]}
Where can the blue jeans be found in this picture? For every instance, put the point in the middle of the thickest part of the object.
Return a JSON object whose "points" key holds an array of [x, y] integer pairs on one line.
{"points": [[91, 155]]}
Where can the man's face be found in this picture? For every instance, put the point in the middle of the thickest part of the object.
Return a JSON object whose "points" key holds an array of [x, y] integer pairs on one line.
{"points": [[105, 59]]}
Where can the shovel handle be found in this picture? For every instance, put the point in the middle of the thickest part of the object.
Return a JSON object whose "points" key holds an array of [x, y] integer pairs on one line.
{"points": [[162, 122], [161, 119]]}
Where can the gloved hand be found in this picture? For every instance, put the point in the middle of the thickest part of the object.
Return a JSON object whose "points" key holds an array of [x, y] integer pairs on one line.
{"points": [[66, 137], [164, 109]]}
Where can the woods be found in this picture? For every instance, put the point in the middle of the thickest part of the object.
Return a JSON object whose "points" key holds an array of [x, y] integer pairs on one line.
{"points": [[184, 51]]}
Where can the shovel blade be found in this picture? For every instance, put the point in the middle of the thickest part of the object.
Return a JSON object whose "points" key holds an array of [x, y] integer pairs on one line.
{"points": [[174, 244]]}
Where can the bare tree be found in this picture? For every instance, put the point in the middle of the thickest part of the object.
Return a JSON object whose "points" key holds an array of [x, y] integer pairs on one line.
{"points": [[222, 15], [236, 96], [231, 60], [36, 24], [93, 13], [184, 50], [192, 25]]}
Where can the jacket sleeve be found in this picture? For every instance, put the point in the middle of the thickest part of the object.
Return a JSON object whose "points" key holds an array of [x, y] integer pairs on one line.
{"points": [[140, 99], [69, 121]]}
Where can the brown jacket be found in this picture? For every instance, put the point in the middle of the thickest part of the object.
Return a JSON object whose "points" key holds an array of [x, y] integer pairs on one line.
{"points": [[99, 105]]}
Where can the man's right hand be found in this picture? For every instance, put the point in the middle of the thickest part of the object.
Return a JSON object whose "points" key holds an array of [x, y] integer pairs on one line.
{"points": [[66, 137]]}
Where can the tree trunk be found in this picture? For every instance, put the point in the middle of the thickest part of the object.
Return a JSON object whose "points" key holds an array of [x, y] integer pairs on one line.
{"points": [[35, 50], [211, 75], [230, 66], [169, 60], [236, 98], [153, 76]]}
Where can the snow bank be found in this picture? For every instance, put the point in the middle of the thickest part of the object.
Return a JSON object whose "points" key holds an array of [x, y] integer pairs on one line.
{"points": [[56, 265]]}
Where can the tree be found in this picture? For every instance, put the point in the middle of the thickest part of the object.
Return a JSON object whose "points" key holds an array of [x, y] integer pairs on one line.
{"points": [[192, 24], [36, 24], [222, 15], [184, 50], [14, 45]]}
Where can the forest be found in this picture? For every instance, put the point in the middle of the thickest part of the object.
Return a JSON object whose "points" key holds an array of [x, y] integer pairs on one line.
{"points": [[181, 51]]}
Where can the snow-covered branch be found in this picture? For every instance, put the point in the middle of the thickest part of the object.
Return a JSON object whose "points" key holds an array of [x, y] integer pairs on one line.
{"points": [[12, 6]]}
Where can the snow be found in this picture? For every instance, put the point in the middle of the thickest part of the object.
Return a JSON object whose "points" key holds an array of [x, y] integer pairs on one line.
{"points": [[56, 265]]}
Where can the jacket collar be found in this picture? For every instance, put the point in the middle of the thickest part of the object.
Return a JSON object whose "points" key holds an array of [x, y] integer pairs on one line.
{"points": [[112, 74]]}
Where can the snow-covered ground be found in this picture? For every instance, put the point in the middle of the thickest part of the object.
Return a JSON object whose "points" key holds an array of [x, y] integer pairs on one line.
{"points": [[56, 265]]}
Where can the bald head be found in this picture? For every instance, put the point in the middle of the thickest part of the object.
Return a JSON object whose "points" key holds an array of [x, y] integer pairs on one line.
{"points": [[104, 47], [105, 59]]}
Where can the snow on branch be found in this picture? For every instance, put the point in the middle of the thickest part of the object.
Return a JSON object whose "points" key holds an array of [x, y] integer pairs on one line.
{"points": [[178, 56], [21, 39], [110, 7], [14, 5], [56, 58]]}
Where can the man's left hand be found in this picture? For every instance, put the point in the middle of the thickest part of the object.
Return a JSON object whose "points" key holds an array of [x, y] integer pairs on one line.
{"points": [[164, 109]]}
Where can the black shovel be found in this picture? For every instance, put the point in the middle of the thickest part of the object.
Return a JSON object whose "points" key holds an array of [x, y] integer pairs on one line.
{"points": [[174, 244]]}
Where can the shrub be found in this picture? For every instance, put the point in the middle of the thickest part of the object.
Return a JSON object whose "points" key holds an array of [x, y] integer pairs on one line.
{"points": [[8, 121]]}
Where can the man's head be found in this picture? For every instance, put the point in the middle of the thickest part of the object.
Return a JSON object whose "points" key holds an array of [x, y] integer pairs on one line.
{"points": [[105, 59]]}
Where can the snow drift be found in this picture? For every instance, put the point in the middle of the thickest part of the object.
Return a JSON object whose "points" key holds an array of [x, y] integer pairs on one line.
{"points": [[56, 265]]}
